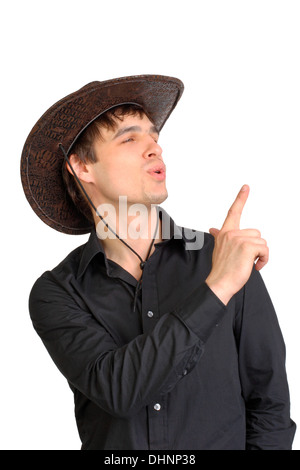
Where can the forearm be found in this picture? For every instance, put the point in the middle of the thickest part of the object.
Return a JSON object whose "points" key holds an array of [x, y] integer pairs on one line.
{"points": [[121, 380], [263, 377]]}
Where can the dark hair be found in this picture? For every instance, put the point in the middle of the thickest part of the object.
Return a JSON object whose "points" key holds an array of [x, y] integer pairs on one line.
{"points": [[84, 149]]}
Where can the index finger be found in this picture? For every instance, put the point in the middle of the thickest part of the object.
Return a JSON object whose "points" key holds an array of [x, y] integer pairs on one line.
{"points": [[232, 221]]}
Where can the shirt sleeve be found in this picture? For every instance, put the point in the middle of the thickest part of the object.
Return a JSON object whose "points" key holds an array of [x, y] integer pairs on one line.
{"points": [[262, 370], [121, 380]]}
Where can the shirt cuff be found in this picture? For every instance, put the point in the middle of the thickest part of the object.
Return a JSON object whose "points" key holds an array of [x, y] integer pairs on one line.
{"points": [[201, 311]]}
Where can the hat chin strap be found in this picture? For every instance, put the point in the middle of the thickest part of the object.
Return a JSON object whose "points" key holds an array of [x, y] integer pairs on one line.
{"points": [[142, 263]]}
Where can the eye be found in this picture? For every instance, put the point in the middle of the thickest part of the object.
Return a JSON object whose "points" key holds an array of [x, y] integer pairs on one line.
{"points": [[130, 139]]}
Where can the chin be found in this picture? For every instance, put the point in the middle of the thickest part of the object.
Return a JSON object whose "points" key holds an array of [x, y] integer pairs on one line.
{"points": [[157, 198]]}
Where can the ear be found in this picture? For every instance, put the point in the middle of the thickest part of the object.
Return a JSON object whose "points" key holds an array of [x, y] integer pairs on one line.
{"points": [[82, 170]]}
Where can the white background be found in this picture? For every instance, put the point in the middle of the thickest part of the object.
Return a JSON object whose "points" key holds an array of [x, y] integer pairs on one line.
{"points": [[237, 122]]}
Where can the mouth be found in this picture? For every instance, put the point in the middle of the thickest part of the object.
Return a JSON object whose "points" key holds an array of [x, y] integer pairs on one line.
{"points": [[158, 172]]}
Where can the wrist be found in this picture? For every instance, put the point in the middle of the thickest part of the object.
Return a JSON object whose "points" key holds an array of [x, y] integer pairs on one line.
{"points": [[221, 289]]}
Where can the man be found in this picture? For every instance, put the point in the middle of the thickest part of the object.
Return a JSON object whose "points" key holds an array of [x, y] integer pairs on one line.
{"points": [[167, 336]]}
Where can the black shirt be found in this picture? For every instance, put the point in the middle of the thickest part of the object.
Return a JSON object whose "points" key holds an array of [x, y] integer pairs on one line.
{"points": [[181, 372]]}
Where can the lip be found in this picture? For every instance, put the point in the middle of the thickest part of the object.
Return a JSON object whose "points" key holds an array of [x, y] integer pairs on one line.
{"points": [[158, 172]]}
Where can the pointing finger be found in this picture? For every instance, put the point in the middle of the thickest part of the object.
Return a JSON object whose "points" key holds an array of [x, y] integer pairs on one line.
{"points": [[232, 221]]}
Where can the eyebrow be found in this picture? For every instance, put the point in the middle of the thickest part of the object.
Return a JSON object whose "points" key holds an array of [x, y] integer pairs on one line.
{"points": [[125, 130]]}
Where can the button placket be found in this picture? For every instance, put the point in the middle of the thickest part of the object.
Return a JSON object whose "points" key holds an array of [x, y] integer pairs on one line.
{"points": [[158, 430], [150, 310]]}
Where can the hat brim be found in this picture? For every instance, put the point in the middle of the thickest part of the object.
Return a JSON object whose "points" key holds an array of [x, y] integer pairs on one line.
{"points": [[42, 159]]}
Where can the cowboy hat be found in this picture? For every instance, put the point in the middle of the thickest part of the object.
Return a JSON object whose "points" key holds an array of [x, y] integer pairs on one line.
{"points": [[61, 125]]}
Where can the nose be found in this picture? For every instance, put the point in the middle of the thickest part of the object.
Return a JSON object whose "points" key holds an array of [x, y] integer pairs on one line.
{"points": [[152, 149]]}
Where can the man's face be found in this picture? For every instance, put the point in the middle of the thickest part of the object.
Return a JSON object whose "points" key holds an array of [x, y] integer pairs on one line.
{"points": [[129, 163]]}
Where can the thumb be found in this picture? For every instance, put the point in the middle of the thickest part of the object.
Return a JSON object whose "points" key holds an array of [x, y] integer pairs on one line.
{"points": [[214, 231]]}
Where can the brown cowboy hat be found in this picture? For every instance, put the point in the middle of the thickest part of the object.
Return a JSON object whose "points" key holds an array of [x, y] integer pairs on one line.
{"points": [[42, 158]]}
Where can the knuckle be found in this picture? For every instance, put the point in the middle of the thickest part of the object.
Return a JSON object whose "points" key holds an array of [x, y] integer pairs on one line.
{"points": [[245, 246], [235, 233], [265, 253], [228, 235], [258, 233], [253, 232], [232, 212]]}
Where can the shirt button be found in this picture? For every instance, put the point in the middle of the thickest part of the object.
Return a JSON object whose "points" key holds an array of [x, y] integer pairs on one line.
{"points": [[185, 372], [157, 406], [150, 314]]}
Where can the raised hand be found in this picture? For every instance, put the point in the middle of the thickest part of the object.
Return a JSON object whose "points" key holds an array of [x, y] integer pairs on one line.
{"points": [[235, 252]]}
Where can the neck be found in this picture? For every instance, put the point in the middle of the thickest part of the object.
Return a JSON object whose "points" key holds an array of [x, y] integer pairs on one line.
{"points": [[137, 231]]}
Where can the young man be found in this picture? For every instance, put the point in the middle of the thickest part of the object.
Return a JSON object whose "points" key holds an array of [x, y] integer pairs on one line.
{"points": [[167, 336]]}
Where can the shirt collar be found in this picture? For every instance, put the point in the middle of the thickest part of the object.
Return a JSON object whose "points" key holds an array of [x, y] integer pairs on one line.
{"points": [[170, 231]]}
